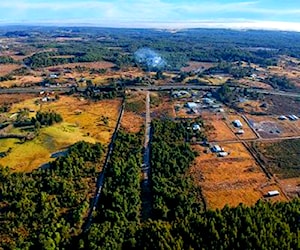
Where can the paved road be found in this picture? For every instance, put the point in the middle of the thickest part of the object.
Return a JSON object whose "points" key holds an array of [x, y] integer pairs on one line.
{"points": [[146, 190], [146, 160], [147, 88], [205, 87]]}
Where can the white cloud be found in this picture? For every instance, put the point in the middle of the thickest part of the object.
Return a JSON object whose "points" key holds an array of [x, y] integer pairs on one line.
{"points": [[155, 13]]}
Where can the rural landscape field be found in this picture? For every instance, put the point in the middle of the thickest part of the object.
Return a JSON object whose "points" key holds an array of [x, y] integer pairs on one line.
{"points": [[138, 139]]}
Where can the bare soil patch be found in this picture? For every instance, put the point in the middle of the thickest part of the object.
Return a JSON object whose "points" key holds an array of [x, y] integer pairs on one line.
{"points": [[8, 68], [132, 122], [14, 98], [89, 65], [197, 66], [271, 126]]}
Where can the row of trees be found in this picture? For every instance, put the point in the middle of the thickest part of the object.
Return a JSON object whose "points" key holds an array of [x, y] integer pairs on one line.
{"points": [[6, 60], [280, 82], [174, 194], [45, 209], [118, 213]]}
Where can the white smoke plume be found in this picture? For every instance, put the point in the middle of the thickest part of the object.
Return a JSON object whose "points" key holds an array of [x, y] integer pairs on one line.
{"points": [[149, 58]]}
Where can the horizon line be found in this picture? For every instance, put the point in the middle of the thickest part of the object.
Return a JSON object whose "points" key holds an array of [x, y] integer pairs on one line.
{"points": [[205, 24]]}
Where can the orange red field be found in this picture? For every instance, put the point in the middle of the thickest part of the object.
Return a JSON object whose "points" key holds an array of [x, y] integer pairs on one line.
{"points": [[231, 180]]}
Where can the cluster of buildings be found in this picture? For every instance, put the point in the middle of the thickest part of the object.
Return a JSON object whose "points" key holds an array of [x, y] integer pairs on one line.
{"points": [[290, 117]]}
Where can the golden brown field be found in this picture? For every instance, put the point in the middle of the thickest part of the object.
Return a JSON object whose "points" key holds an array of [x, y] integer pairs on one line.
{"points": [[14, 98], [161, 106], [252, 106], [83, 120], [87, 115], [22, 81], [193, 65], [221, 132], [249, 134], [89, 65], [132, 122], [231, 180], [7, 68], [255, 84]]}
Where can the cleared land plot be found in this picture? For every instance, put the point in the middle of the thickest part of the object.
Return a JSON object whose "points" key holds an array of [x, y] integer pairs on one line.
{"points": [[248, 132], [231, 180], [270, 126], [220, 130], [252, 107], [161, 106], [22, 81], [197, 66], [134, 113], [14, 98], [291, 186], [7, 68], [254, 83], [89, 65], [83, 120], [132, 122]]}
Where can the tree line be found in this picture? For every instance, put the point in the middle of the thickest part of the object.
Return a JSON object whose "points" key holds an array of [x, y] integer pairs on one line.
{"points": [[45, 209]]}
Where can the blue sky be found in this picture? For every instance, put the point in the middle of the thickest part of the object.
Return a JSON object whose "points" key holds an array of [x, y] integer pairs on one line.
{"points": [[280, 14]]}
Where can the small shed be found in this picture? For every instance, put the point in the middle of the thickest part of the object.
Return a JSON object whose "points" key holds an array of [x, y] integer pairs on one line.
{"points": [[196, 127], [273, 193], [237, 123], [216, 149], [282, 117], [240, 132], [191, 105], [223, 154], [208, 101]]}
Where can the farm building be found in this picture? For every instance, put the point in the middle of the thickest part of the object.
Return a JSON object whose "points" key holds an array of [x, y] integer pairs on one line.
{"points": [[240, 132], [216, 149], [237, 123], [196, 127], [282, 117], [273, 193], [53, 76], [208, 101], [293, 117], [222, 154], [191, 105]]}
